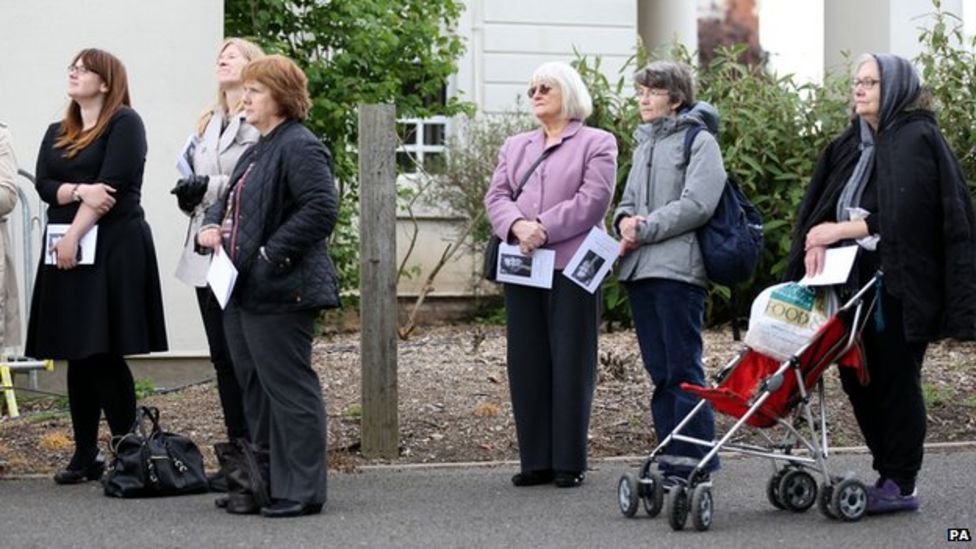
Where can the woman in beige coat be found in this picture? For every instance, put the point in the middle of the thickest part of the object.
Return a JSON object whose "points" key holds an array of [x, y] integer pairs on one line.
{"points": [[221, 137], [10, 315]]}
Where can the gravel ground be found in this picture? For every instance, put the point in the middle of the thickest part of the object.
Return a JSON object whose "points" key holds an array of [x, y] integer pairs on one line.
{"points": [[454, 402]]}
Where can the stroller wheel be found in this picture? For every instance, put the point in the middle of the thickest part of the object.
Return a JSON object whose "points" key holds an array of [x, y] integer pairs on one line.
{"points": [[677, 507], [798, 490], [850, 499], [627, 494], [772, 489], [653, 495], [701, 507], [824, 501]]}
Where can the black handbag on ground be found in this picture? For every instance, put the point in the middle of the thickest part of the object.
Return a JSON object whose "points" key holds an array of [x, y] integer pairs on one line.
{"points": [[490, 268], [154, 463]]}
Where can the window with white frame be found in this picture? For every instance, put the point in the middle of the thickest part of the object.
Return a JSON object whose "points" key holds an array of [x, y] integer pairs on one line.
{"points": [[422, 144], [422, 140]]}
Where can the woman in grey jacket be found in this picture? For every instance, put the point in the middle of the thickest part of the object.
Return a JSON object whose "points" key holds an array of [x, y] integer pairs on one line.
{"points": [[222, 135], [663, 203]]}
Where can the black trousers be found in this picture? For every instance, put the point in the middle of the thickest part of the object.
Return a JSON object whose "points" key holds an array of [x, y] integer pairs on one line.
{"points": [[890, 410], [283, 403], [227, 386], [97, 383], [552, 353]]}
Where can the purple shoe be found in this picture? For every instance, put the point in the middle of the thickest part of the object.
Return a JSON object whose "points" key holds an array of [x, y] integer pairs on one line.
{"points": [[887, 498]]}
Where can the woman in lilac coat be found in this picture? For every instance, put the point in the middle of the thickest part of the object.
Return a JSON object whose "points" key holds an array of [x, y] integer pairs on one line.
{"points": [[552, 333]]}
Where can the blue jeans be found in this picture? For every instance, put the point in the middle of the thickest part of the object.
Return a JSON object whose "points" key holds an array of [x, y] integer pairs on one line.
{"points": [[668, 317]]}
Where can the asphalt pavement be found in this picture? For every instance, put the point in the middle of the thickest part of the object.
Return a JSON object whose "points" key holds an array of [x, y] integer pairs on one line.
{"points": [[473, 506]]}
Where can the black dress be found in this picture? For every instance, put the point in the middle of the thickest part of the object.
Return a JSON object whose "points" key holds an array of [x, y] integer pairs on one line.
{"points": [[114, 306]]}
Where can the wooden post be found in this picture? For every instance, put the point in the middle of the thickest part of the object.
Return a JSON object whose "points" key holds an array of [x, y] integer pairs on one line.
{"points": [[377, 280]]}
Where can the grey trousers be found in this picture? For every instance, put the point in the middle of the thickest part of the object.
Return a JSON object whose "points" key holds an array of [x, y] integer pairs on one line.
{"points": [[552, 353], [283, 404]]}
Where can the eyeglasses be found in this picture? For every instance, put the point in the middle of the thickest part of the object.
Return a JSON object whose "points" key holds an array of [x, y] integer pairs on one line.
{"points": [[866, 83], [81, 70], [541, 88], [648, 92]]}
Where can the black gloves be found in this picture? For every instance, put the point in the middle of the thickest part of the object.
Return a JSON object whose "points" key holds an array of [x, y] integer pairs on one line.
{"points": [[189, 191]]}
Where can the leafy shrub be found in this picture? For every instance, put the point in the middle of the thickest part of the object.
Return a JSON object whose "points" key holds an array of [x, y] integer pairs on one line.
{"points": [[471, 156], [948, 66], [773, 130], [353, 52]]}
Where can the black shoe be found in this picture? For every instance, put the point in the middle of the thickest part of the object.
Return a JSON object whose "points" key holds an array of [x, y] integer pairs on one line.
{"points": [[222, 501], [217, 481], [284, 508], [569, 479], [93, 471], [533, 478], [238, 503]]}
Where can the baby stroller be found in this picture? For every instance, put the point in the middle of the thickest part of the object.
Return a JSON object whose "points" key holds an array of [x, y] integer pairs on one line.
{"points": [[764, 393]]}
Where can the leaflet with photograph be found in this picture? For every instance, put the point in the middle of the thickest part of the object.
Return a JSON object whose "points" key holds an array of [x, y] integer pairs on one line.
{"points": [[592, 260], [536, 270], [221, 277], [837, 267], [85, 254], [185, 161]]}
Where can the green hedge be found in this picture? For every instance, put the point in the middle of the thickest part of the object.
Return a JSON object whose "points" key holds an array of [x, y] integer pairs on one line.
{"points": [[773, 130]]}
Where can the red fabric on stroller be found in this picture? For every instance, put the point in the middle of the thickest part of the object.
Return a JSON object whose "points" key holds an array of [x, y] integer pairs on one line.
{"points": [[738, 391]]}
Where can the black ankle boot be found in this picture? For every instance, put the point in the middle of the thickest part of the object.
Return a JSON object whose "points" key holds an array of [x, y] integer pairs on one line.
{"points": [[75, 475], [246, 468]]}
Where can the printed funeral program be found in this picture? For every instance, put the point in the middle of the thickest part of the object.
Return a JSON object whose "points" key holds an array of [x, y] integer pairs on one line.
{"points": [[221, 277], [184, 163], [85, 254], [592, 260], [837, 267], [535, 269]]}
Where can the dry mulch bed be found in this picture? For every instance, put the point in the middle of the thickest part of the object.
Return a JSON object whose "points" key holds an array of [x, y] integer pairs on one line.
{"points": [[454, 402]]}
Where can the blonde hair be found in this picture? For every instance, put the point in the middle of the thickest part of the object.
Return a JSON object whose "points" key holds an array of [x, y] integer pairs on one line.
{"points": [[250, 51]]}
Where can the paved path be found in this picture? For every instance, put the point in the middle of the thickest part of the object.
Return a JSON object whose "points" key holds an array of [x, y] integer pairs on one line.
{"points": [[478, 507]]}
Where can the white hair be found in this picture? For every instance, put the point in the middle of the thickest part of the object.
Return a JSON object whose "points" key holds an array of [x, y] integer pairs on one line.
{"points": [[577, 103], [861, 60]]}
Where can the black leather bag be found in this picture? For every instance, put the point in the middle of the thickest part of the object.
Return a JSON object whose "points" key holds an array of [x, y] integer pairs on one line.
{"points": [[153, 463], [490, 267]]}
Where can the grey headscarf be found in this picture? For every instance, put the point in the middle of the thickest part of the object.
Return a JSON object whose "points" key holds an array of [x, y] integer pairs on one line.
{"points": [[900, 86]]}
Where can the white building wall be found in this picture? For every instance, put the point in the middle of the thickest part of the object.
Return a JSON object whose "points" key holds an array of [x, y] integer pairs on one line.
{"points": [[168, 49], [877, 26], [508, 39]]}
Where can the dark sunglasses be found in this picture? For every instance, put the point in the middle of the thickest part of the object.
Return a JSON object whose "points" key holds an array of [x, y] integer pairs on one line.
{"points": [[541, 88]]}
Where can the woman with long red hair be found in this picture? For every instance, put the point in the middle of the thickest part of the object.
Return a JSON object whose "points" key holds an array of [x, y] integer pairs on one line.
{"points": [[94, 313]]}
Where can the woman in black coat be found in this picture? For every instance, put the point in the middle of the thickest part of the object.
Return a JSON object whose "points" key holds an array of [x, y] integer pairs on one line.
{"points": [[280, 208], [891, 184], [89, 171]]}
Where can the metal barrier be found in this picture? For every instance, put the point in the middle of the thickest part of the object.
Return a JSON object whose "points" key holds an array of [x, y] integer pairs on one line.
{"points": [[32, 225]]}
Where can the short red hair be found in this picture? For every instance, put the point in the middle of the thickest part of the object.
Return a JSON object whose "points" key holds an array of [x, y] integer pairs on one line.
{"points": [[287, 83]]}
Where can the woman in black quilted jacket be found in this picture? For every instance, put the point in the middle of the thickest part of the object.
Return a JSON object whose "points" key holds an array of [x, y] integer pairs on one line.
{"points": [[279, 211]]}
